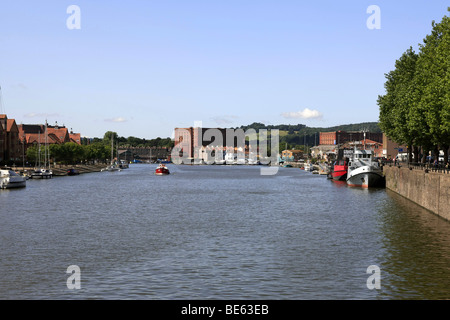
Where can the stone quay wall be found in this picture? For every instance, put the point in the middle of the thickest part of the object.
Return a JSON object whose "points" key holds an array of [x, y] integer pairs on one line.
{"points": [[430, 190]]}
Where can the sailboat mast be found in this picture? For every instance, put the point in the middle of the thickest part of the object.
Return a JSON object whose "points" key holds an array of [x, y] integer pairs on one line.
{"points": [[364, 140], [45, 146], [37, 159], [112, 149]]}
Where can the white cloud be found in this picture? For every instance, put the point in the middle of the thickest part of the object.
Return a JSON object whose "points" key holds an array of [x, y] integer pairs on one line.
{"points": [[41, 115], [224, 120], [303, 114], [118, 119]]}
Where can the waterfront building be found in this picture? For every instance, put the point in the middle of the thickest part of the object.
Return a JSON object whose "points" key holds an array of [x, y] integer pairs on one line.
{"points": [[34, 134], [75, 137], [10, 145], [2, 142], [291, 155], [340, 137], [391, 149], [197, 146], [324, 152]]}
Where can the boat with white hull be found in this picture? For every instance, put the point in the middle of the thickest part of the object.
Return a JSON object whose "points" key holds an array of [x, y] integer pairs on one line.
{"points": [[9, 179], [363, 171]]}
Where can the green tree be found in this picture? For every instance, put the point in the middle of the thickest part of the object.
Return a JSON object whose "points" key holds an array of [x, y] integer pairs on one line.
{"points": [[433, 78], [109, 135], [395, 105], [98, 152], [32, 154]]}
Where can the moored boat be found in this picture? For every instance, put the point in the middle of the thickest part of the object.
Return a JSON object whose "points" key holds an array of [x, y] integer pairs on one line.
{"points": [[73, 172], [41, 173], [10, 179], [309, 167], [339, 170], [363, 171], [162, 170]]}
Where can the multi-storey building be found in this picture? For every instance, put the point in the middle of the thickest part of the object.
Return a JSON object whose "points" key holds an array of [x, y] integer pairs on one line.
{"points": [[340, 137], [9, 140], [195, 142]]}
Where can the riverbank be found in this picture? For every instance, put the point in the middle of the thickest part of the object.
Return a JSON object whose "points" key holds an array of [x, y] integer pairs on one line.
{"points": [[61, 170], [430, 190]]}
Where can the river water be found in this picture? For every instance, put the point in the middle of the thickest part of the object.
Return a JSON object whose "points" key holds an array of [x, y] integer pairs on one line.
{"points": [[217, 232]]}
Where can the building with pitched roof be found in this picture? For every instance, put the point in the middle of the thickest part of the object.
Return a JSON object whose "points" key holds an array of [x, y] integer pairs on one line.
{"points": [[75, 137], [9, 140], [34, 134], [2, 140]]}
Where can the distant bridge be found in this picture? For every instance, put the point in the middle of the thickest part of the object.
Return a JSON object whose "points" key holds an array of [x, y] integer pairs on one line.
{"points": [[144, 154]]}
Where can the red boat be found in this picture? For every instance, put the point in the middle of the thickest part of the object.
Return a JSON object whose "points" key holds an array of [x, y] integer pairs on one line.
{"points": [[339, 170], [162, 170]]}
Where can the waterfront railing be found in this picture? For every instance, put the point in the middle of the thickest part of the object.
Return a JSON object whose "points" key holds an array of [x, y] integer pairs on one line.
{"points": [[427, 167]]}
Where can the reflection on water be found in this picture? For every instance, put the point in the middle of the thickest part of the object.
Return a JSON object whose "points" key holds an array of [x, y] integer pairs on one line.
{"points": [[217, 232], [417, 260]]}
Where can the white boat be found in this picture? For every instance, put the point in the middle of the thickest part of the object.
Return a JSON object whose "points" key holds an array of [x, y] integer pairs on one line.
{"points": [[363, 171], [309, 167], [10, 179], [41, 173]]}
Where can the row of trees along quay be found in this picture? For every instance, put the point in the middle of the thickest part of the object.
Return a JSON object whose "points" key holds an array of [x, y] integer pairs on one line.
{"points": [[92, 150], [415, 111]]}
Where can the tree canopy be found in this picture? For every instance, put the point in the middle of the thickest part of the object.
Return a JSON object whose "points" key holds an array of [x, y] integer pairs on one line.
{"points": [[415, 110]]}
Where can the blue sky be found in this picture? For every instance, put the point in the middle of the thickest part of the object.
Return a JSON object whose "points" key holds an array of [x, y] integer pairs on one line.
{"points": [[142, 68]]}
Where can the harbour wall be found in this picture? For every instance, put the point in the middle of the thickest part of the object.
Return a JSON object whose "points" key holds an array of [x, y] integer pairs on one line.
{"points": [[430, 190]]}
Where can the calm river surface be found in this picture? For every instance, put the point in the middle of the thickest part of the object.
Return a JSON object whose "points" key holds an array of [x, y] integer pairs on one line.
{"points": [[217, 232]]}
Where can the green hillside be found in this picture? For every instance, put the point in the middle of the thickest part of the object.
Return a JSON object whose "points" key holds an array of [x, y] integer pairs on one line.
{"points": [[298, 136]]}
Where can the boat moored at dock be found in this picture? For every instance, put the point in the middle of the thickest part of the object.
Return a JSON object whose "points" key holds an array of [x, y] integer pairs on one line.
{"points": [[339, 170], [41, 174], [10, 179], [363, 171], [73, 172]]}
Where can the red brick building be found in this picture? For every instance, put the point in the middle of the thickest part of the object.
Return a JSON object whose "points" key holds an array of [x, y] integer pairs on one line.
{"points": [[194, 142], [10, 150], [340, 137], [192, 139], [34, 134]]}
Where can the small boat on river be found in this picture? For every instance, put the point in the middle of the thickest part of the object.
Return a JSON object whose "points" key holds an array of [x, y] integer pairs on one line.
{"points": [[162, 170]]}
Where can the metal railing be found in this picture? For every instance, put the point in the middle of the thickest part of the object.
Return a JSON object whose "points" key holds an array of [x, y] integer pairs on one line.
{"points": [[427, 167]]}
